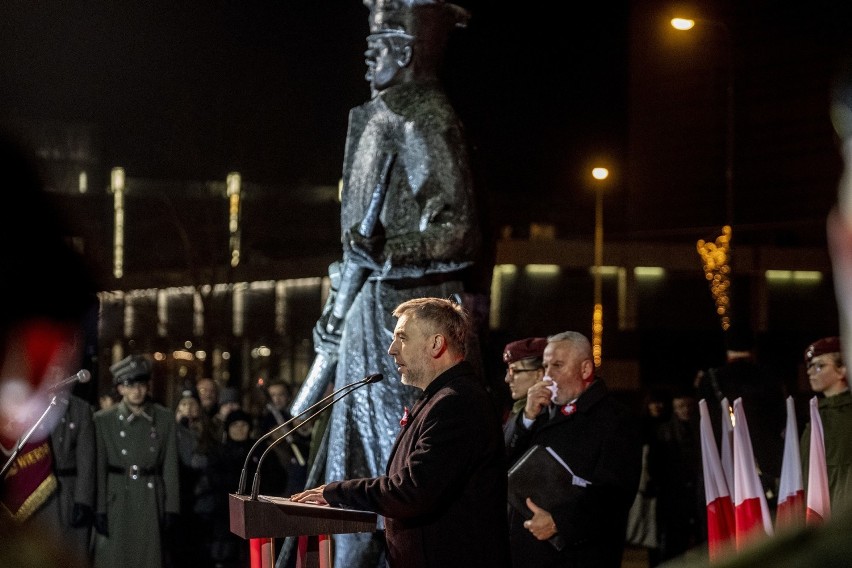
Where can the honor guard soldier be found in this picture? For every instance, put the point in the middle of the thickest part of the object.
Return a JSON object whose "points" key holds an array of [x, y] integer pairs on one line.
{"points": [[138, 496]]}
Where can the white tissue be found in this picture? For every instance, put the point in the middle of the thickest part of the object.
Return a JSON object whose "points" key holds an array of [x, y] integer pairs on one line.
{"points": [[552, 387]]}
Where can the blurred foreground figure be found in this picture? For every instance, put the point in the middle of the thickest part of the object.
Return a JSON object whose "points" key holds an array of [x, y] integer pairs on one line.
{"points": [[409, 230], [46, 292]]}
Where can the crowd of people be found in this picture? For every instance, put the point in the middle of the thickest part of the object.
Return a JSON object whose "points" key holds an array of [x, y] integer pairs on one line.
{"points": [[138, 484]]}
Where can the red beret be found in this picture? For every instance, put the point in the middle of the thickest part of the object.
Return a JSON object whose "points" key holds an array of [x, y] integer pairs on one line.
{"points": [[821, 347], [524, 349]]}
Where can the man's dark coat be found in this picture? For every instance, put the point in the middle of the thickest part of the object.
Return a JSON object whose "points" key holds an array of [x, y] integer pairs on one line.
{"points": [[444, 494]]}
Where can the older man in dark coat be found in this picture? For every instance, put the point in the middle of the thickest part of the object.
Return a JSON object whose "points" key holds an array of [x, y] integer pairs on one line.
{"points": [[444, 494], [571, 412]]}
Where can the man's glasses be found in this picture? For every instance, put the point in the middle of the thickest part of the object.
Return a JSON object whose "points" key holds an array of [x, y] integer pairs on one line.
{"points": [[513, 371], [818, 366]]}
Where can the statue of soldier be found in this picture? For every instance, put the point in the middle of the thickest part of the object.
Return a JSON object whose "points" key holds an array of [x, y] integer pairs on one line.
{"points": [[409, 230]]}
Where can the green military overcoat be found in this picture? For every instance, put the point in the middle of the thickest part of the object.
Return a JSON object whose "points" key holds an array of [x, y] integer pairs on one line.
{"points": [[137, 484]]}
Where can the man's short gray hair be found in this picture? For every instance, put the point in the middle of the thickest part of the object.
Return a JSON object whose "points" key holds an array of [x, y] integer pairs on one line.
{"points": [[579, 341]]}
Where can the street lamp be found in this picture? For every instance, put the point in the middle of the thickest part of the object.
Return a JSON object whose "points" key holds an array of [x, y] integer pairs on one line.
{"points": [[600, 174], [685, 24], [715, 256]]}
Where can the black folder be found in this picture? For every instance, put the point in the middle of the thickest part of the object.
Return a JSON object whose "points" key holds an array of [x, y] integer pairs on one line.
{"points": [[539, 475]]}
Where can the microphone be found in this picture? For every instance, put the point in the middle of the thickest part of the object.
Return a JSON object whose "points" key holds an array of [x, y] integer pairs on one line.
{"points": [[369, 379], [81, 376], [355, 386]]}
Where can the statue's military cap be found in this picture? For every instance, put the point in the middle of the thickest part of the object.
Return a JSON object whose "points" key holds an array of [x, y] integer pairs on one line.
{"points": [[415, 18]]}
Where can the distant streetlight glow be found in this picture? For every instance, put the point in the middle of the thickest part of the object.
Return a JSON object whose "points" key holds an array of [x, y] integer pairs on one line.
{"points": [[599, 174], [715, 256], [117, 179], [233, 184], [683, 24]]}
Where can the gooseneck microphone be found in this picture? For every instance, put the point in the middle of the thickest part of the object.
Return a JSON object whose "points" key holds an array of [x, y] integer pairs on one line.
{"points": [[370, 379], [22, 441], [355, 386], [81, 376], [352, 387]]}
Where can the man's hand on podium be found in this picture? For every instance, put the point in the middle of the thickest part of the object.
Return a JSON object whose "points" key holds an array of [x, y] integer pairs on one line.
{"points": [[310, 496]]}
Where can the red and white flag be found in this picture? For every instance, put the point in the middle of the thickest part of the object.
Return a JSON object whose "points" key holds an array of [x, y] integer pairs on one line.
{"points": [[727, 449], [790, 513], [720, 509], [751, 512], [819, 504]]}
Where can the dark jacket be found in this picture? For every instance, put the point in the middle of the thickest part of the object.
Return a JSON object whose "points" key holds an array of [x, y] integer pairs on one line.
{"points": [[73, 445], [444, 495], [601, 443]]}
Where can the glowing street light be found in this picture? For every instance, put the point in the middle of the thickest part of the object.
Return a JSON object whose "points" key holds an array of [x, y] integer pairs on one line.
{"points": [[716, 256], [600, 174], [685, 24]]}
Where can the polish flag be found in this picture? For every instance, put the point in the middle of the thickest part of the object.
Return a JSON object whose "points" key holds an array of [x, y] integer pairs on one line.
{"points": [[727, 449], [791, 493], [819, 505], [720, 509], [751, 512]]}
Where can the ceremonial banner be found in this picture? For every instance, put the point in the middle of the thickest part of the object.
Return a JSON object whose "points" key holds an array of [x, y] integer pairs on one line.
{"points": [[819, 504], [29, 482], [751, 512], [720, 510], [790, 513]]}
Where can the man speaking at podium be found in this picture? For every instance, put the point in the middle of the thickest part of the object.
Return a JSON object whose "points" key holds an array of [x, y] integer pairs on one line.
{"points": [[444, 492]]}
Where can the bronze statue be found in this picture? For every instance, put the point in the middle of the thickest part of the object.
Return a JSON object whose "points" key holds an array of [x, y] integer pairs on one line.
{"points": [[409, 229]]}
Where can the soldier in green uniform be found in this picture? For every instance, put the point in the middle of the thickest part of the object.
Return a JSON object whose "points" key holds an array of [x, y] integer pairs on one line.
{"points": [[138, 497], [827, 375]]}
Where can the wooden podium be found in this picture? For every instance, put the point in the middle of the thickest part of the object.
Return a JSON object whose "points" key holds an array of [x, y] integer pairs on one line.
{"points": [[277, 517]]}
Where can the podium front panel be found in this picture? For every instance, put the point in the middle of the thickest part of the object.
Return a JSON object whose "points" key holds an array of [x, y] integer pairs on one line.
{"points": [[276, 517]]}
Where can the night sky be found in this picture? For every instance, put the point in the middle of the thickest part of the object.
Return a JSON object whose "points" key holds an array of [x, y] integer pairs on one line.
{"points": [[195, 89], [191, 90]]}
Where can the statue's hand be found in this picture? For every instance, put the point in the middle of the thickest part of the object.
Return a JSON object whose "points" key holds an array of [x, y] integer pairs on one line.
{"points": [[324, 341], [366, 251]]}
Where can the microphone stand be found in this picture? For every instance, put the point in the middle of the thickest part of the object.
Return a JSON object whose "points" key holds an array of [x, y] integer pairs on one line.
{"points": [[353, 386], [26, 437], [256, 483]]}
